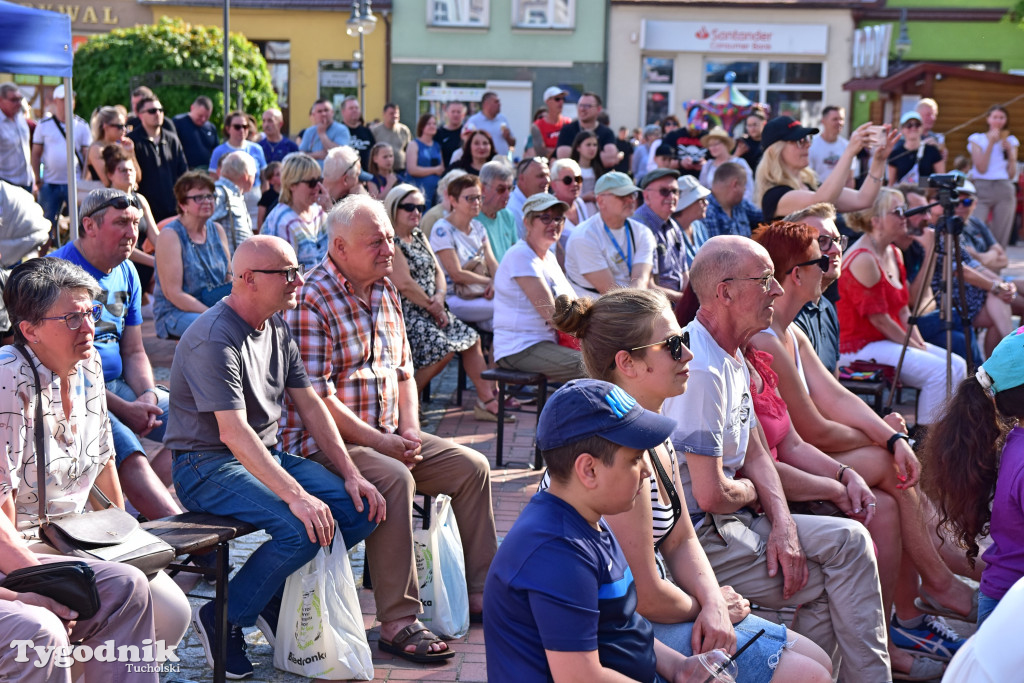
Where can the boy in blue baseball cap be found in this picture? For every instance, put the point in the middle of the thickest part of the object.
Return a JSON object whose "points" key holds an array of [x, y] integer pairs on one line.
{"points": [[560, 599]]}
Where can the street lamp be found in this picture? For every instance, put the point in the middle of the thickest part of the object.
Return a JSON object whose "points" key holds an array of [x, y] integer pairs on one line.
{"points": [[361, 23], [903, 43]]}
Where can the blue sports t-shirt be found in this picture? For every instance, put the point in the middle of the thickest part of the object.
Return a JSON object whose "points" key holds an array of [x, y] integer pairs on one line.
{"points": [[122, 306], [559, 584]]}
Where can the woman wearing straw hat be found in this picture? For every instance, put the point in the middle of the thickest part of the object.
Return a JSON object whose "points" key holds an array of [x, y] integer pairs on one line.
{"points": [[720, 148]]}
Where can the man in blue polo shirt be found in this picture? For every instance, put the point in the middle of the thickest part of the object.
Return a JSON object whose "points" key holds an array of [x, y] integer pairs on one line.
{"points": [[560, 597], [325, 134], [107, 234]]}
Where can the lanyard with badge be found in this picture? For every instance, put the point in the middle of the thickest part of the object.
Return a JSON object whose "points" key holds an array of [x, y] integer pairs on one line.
{"points": [[628, 256]]}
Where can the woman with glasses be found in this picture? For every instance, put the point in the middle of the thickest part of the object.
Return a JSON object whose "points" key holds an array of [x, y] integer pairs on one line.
{"points": [[461, 244], [435, 334], [299, 217], [586, 152], [567, 185], [912, 159], [994, 170], [423, 158], [192, 260], [121, 171], [236, 130], [476, 151], [528, 281], [873, 306], [785, 182], [108, 128], [50, 302], [629, 337]]}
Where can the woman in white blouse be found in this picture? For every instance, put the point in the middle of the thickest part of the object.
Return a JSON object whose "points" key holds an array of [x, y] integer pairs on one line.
{"points": [[525, 288], [994, 159], [51, 304]]}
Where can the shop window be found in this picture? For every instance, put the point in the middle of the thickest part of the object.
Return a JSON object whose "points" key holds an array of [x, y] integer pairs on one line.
{"points": [[278, 54], [458, 13], [658, 77], [794, 89], [544, 13]]}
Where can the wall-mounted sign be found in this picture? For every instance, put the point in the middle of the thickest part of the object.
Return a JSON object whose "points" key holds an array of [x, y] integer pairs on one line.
{"points": [[720, 36], [871, 51]]}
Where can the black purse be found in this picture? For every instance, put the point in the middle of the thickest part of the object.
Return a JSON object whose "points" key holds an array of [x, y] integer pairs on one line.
{"points": [[72, 584], [110, 534]]}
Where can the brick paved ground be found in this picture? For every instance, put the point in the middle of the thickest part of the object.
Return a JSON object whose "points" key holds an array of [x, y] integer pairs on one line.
{"points": [[512, 484]]}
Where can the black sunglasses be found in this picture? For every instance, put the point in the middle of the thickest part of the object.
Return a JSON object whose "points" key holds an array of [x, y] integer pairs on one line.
{"points": [[121, 202], [240, 126], [673, 343], [569, 180], [153, 110], [311, 183], [410, 207], [826, 241], [290, 274], [822, 262]]}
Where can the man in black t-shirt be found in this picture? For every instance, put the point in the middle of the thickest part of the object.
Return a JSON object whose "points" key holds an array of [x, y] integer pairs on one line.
{"points": [[748, 147], [588, 109], [197, 135], [449, 136], [362, 139]]}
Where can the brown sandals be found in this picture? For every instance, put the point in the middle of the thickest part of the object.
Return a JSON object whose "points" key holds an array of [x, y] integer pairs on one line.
{"points": [[419, 635]]}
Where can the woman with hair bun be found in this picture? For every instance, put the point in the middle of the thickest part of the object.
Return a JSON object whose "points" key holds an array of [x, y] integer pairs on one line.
{"points": [[629, 337]]}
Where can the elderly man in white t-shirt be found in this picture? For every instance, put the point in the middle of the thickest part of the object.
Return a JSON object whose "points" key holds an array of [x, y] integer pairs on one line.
{"points": [[609, 249], [822, 565]]}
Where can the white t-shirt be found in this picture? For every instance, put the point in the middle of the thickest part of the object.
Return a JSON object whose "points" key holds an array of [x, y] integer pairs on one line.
{"points": [[715, 415], [993, 653], [493, 126], [444, 235], [590, 249], [517, 324], [996, 157], [824, 156], [55, 150]]}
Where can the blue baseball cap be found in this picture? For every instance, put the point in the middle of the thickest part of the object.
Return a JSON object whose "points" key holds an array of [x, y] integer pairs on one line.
{"points": [[583, 408], [1004, 369]]}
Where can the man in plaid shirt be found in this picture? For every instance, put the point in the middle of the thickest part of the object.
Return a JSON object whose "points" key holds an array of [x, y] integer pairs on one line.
{"points": [[352, 340]]}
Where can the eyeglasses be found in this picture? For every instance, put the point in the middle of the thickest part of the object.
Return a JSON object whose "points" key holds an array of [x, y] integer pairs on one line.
{"points": [[119, 126], [200, 198], [153, 110], [826, 241], [410, 207], [290, 274], [75, 320], [899, 212], [16, 100], [569, 180], [472, 199], [311, 183], [668, 192], [967, 201], [912, 124], [822, 262], [803, 142], [765, 280], [558, 98], [347, 169], [548, 219], [673, 343], [120, 202], [240, 126]]}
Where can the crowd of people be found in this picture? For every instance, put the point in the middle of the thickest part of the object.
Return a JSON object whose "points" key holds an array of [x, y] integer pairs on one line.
{"points": [[696, 291]]}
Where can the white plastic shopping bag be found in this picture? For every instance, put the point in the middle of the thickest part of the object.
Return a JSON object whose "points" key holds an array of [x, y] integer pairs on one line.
{"points": [[320, 631], [441, 568]]}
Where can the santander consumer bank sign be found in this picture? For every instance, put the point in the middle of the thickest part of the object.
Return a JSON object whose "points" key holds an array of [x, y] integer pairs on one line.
{"points": [[714, 36]]}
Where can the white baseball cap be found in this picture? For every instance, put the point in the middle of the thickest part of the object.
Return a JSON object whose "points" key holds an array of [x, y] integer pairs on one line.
{"points": [[554, 91]]}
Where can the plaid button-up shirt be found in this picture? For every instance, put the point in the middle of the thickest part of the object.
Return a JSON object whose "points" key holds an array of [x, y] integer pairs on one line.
{"points": [[357, 352]]}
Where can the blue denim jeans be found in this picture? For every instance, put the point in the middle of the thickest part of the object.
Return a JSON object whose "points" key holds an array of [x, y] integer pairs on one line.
{"points": [[986, 606], [932, 331], [216, 483], [126, 442], [52, 197]]}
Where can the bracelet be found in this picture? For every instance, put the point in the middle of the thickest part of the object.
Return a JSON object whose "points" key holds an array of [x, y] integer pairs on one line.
{"points": [[841, 472], [890, 445], [995, 285], [876, 179]]}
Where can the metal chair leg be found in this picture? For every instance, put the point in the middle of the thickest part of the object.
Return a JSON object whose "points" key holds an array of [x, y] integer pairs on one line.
{"points": [[499, 456]]}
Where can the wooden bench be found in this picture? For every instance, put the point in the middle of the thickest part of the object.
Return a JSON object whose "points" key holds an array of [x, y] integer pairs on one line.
{"points": [[196, 532], [504, 378]]}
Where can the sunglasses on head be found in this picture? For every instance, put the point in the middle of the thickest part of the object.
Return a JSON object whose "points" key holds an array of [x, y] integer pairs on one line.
{"points": [[311, 183], [121, 202], [822, 262], [410, 207], [569, 180], [674, 343]]}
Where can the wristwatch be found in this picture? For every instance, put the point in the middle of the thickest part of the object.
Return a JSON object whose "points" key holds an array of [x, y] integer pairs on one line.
{"points": [[890, 445]]}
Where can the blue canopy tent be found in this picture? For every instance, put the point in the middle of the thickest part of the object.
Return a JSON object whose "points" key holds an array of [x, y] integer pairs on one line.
{"points": [[34, 41]]}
